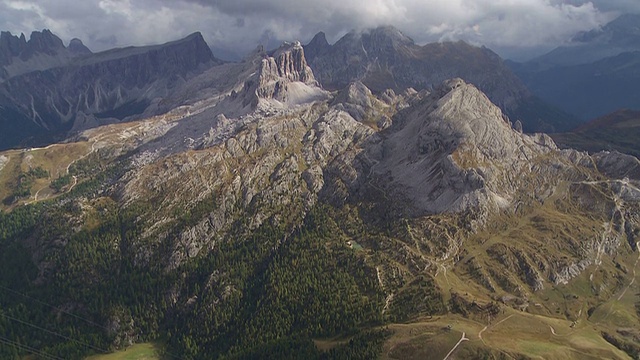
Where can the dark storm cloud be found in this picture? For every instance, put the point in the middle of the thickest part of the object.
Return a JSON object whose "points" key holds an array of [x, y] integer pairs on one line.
{"points": [[240, 25]]}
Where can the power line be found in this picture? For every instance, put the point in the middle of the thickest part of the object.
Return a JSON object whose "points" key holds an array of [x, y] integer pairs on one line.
{"points": [[54, 333], [68, 313], [54, 307], [28, 349]]}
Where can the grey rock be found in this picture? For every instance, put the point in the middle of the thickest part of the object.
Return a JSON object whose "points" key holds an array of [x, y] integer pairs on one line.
{"points": [[110, 86], [384, 58]]}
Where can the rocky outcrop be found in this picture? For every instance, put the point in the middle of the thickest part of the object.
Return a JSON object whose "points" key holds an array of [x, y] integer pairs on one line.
{"points": [[96, 89], [453, 150], [77, 47], [384, 58], [285, 66], [42, 51], [282, 78], [318, 46]]}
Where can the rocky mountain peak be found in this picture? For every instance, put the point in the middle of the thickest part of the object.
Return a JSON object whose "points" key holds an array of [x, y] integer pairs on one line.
{"points": [[44, 42], [384, 58], [289, 62], [42, 51], [11, 45], [317, 46], [284, 76], [454, 151], [381, 41], [389, 34], [77, 47], [276, 79], [75, 89]]}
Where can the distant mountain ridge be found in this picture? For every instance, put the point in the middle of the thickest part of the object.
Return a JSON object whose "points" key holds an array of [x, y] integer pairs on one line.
{"points": [[618, 36], [42, 51], [617, 131], [596, 74], [87, 90], [48, 89], [384, 58]]}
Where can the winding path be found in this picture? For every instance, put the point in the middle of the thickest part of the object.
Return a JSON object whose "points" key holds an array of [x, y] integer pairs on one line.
{"points": [[463, 338], [496, 324], [75, 182], [633, 279]]}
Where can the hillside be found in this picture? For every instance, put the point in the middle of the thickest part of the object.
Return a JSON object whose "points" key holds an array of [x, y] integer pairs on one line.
{"points": [[68, 91], [384, 58], [271, 218], [595, 74], [617, 131]]}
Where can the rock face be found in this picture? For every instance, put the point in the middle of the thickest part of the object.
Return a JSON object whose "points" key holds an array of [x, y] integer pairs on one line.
{"points": [[454, 150], [384, 58], [94, 89], [42, 51], [77, 47], [285, 66], [318, 46], [282, 78]]}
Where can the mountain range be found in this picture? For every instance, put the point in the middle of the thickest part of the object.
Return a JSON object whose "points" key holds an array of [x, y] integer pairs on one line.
{"points": [[365, 199], [49, 90], [595, 74], [618, 131], [385, 58]]}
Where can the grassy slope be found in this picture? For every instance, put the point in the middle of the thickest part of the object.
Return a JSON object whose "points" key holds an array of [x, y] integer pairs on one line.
{"points": [[55, 159], [601, 299], [528, 333], [618, 131], [144, 351], [514, 333]]}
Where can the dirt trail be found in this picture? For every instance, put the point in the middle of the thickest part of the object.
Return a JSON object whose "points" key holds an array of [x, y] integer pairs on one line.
{"points": [[633, 279], [463, 338], [496, 324], [75, 182]]}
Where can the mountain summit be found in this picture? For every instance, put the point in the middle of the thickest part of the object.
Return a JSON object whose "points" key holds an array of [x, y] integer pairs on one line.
{"points": [[74, 89], [384, 58], [42, 51], [454, 151]]}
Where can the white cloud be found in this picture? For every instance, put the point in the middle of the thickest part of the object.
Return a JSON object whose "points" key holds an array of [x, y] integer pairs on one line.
{"points": [[241, 24]]}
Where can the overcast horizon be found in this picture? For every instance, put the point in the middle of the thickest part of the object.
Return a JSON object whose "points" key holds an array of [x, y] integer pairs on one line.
{"points": [[514, 29]]}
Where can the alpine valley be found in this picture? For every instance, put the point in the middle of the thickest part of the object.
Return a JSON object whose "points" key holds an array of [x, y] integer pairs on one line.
{"points": [[373, 198]]}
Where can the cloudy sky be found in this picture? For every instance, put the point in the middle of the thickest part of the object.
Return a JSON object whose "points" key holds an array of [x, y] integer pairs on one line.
{"points": [[511, 27]]}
